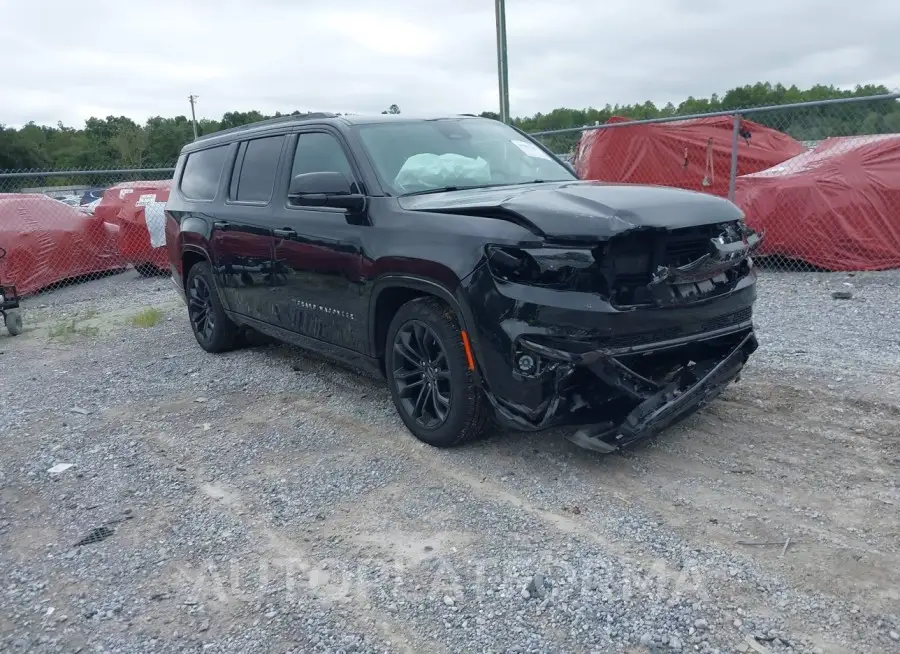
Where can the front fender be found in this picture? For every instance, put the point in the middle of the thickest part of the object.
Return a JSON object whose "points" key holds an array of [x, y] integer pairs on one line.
{"points": [[455, 298]]}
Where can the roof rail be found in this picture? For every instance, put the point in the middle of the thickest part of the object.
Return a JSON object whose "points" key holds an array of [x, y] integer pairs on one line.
{"points": [[314, 115]]}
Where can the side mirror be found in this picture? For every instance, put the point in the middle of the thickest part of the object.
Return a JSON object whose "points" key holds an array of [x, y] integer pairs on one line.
{"points": [[325, 189]]}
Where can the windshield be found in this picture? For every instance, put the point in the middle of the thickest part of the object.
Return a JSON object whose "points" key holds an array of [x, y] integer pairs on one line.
{"points": [[420, 156]]}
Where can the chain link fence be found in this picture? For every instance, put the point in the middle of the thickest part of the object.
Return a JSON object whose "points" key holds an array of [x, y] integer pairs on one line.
{"points": [[59, 228], [821, 180]]}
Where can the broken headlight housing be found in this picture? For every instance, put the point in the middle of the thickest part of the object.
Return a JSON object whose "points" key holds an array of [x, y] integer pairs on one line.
{"points": [[550, 267]]}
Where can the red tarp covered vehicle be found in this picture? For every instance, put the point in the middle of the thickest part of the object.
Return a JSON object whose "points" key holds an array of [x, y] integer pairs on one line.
{"points": [[692, 154], [47, 242], [137, 208], [836, 206]]}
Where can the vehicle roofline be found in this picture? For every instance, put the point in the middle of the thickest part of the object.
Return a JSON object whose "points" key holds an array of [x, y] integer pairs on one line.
{"points": [[377, 119], [225, 136]]}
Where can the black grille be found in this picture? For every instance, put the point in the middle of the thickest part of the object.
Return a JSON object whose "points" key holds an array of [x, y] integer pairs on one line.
{"points": [[632, 258], [670, 333], [644, 338], [729, 320], [686, 245]]}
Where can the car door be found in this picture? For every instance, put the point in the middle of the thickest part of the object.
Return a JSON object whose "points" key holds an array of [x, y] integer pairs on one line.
{"points": [[242, 237], [318, 251]]}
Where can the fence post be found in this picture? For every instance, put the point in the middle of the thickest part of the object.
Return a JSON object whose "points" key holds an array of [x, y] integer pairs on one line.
{"points": [[735, 133]]}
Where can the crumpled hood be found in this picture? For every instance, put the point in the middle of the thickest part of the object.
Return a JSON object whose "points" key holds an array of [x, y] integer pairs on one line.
{"points": [[582, 210]]}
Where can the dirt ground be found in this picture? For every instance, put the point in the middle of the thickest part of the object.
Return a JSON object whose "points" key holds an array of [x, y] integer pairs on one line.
{"points": [[770, 517]]}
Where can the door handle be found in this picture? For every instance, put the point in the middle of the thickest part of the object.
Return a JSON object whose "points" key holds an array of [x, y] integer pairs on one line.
{"points": [[287, 231], [220, 224]]}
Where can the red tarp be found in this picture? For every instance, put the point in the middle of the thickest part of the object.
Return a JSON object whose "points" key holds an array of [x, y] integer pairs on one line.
{"points": [[680, 153], [137, 208], [836, 207], [47, 241]]}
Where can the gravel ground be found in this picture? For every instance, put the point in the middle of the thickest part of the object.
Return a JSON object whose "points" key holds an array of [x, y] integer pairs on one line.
{"points": [[265, 501]]}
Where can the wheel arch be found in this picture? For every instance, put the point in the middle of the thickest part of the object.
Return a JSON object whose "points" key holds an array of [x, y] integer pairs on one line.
{"points": [[393, 291], [190, 256]]}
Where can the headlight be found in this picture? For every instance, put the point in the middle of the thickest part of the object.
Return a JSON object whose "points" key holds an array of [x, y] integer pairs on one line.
{"points": [[561, 268]]}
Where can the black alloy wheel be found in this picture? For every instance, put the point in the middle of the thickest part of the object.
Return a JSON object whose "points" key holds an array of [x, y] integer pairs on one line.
{"points": [[200, 308], [422, 374], [431, 377], [213, 329]]}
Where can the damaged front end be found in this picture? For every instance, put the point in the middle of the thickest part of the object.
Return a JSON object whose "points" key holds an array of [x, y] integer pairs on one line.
{"points": [[621, 338], [621, 396], [728, 256]]}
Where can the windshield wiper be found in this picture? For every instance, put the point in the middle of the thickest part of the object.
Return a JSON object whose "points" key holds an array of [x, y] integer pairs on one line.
{"points": [[444, 189]]}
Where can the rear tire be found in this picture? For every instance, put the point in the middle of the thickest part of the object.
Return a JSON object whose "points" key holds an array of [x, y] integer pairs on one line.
{"points": [[14, 322], [147, 270], [428, 375], [213, 329]]}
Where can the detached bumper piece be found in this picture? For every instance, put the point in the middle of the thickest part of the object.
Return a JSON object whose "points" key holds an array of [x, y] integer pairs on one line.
{"points": [[692, 388], [620, 396]]}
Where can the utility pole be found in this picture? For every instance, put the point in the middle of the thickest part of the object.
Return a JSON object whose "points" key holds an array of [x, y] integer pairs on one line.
{"points": [[193, 99], [502, 68]]}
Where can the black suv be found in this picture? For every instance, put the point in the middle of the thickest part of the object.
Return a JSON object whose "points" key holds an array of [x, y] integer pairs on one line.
{"points": [[464, 262]]}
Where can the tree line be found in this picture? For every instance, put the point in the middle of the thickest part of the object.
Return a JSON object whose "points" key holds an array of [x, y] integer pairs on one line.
{"points": [[118, 142]]}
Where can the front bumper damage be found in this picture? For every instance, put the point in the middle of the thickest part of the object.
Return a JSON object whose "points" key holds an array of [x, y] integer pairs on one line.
{"points": [[664, 404], [613, 399], [620, 340]]}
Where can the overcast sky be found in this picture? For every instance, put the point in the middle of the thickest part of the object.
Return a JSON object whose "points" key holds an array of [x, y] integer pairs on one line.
{"points": [[66, 61]]}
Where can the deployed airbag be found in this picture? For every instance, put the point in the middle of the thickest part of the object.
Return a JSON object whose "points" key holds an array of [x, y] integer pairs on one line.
{"points": [[437, 171]]}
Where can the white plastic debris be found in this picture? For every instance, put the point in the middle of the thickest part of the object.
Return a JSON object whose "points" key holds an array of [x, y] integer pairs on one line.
{"points": [[155, 217], [59, 468]]}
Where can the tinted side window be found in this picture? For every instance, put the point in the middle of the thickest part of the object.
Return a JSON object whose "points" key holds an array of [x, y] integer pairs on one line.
{"points": [[202, 172], [236, 170], [318, 152], [257, 177]]}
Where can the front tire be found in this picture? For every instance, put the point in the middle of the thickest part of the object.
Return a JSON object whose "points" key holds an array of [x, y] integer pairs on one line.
{"points": [[213, 329], [427, 370]]}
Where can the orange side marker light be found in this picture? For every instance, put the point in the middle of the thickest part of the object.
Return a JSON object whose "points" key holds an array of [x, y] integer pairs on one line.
{"points": [[468, 349]]}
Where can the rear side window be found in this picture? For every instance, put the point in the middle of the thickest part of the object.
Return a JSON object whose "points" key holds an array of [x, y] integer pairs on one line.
{"points": [[256, 179], [202, 172]]}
